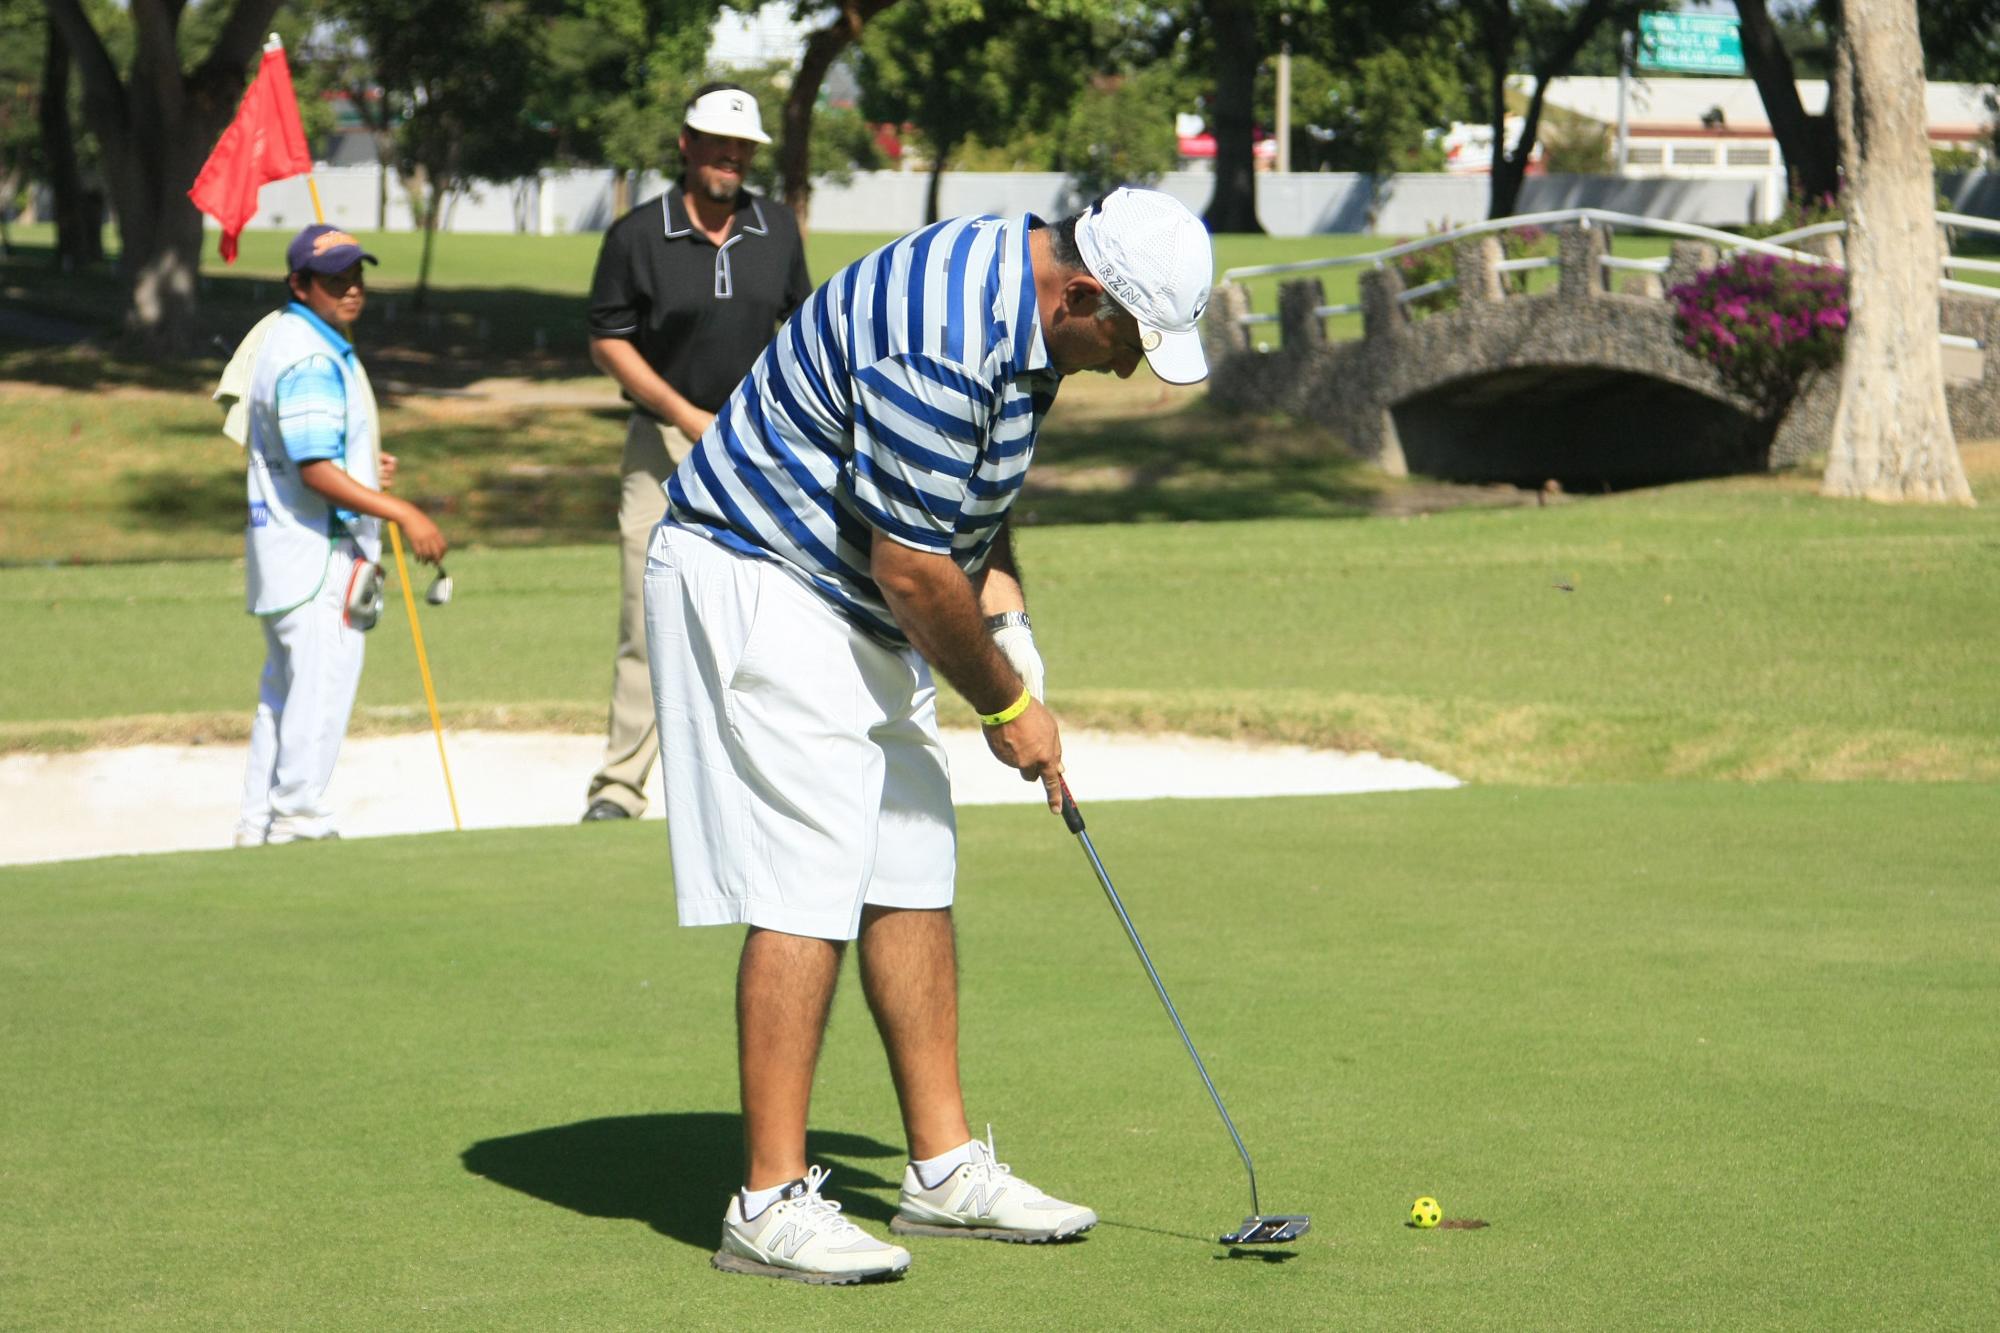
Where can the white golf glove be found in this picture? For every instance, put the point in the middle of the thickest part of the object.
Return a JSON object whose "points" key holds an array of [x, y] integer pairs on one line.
{"points": [[1015, 639]]}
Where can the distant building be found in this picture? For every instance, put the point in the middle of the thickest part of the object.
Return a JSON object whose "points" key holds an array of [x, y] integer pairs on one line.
{"points": [[1717, 127], [1196, 145], [1468, 146]]}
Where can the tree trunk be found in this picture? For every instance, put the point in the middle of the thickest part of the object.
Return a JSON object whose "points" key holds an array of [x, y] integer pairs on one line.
{"points": [[1496, 33], [1233, 207], [79, 229], [1892, 435], [1809, 143], [385, 166], [934, 188], [1510, 169], [433, 211], [795, 137], [155, 129]]}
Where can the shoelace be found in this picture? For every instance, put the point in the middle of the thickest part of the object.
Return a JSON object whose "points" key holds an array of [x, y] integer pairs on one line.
{"points": [[992, 1166], [822, 1210]]}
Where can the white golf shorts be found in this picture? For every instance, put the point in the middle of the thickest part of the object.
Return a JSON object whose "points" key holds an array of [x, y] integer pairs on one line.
{"points": [[804, 776]]}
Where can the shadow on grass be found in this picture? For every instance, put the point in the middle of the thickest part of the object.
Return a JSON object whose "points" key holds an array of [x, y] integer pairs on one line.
{"points": [[463, 334], [506, 479], [672, 1171], [168, 499], [1199, 464], [1262, 1255]]}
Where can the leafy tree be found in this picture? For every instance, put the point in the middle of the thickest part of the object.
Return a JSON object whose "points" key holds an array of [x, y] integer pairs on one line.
{"points": [[1545, 37], [1373, 116], [841, 142], [963, 69], [614, 77], [1808, 143], [24, 41], [154, 124], [1961, 39], [1120, 131], [1577, 146], [826, 45], [451, 79]]}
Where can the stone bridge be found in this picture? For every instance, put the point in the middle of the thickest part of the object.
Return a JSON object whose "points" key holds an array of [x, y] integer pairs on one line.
{"points": [[1581, 383]]}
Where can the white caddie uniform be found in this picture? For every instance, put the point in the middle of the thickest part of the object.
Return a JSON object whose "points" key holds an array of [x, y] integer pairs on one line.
{"points": [[301, 557], [805, 779]]}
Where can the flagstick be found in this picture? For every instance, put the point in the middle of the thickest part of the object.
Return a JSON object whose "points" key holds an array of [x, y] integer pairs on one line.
{"points": [[409, 599], [424, 667]]}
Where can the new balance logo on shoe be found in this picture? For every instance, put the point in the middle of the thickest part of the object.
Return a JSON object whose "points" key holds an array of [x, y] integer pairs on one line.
{"points": [[979, 1202], [985, 1200], [803, 1238], [788, 1241]]}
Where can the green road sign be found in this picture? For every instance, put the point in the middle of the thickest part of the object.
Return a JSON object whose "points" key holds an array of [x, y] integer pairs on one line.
{"points": [[1690, 44]]}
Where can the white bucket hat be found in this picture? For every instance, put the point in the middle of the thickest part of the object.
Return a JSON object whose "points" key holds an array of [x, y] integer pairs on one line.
{"points": [[1154, 257], [729, 113]]}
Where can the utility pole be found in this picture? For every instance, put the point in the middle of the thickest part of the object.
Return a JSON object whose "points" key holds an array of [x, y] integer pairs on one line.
{"points": [[1284, 162], [1625, 57]]}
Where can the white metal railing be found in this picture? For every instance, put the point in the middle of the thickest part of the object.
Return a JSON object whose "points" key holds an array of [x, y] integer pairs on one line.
{"points": [[1658, 265], [1378, 258], [1780, 246]]}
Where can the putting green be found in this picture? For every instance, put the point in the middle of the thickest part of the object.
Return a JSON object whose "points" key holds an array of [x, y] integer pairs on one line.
{"points": [[1701, 1055]]}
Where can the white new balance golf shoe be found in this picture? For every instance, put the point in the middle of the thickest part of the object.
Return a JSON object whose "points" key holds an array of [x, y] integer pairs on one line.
{"points": [[984, 1200], [803, 1238]]}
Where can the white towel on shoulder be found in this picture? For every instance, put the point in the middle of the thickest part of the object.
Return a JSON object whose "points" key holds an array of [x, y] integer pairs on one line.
{"points": [[233, 390]]}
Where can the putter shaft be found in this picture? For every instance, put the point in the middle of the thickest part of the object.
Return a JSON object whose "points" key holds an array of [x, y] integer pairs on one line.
{"points": [[1074, 819]]}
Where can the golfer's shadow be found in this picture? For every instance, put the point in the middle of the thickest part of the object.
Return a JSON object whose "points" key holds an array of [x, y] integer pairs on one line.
{"points": [[673, 1172]]}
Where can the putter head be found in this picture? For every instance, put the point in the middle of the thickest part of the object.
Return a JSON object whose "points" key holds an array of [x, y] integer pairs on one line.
{"points": [[440, 590], [1276, 1229]]}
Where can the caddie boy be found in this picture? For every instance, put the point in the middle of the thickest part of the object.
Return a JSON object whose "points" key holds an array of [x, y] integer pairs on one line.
{"points": [[316, 482]]}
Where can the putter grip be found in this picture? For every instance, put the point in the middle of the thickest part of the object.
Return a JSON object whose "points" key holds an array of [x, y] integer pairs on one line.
{"points": [[1072, 816]]}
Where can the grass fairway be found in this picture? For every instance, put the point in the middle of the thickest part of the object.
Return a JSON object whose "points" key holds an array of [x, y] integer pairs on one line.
{"points": [[1703, 1056], [1742, 630]]}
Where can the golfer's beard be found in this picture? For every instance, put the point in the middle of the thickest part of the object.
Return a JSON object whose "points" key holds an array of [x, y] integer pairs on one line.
{"points": [[720, 192]]}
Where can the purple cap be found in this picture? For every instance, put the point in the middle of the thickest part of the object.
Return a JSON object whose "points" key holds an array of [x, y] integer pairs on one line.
{"points": [[324, 248]]}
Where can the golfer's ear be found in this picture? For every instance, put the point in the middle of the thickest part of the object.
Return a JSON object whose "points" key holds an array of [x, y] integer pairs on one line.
{"points": [[1080, 294]]}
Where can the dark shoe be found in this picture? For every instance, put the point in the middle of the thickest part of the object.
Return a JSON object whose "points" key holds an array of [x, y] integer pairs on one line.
{"points": [[605, 810]]}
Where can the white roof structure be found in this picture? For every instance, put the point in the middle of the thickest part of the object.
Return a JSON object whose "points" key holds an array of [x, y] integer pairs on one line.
{"points": [[1660, 102]]}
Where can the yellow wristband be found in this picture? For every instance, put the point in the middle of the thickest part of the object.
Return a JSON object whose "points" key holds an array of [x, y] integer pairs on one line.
{"points": [[1010, 712]]}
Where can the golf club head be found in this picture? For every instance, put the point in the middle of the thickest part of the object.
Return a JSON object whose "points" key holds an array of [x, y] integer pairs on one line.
{"points": [[1277, 1229], [440, 590]]}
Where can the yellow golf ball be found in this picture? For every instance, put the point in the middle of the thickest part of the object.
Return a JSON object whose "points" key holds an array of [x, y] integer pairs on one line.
{"points": [[1425, 1213]]}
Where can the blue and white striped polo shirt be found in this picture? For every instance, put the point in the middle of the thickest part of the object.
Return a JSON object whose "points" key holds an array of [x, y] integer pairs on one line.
{"points": [[903, 398]]}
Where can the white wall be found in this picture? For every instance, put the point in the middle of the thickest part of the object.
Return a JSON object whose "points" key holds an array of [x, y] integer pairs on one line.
{"points": [[1294, 204]]}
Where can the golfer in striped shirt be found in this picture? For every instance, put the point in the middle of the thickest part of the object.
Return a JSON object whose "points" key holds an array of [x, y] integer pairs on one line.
{"points": [[839, 532]]}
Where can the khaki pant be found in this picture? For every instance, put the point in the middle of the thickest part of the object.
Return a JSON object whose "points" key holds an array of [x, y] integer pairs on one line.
{"points": [[653, 450]]}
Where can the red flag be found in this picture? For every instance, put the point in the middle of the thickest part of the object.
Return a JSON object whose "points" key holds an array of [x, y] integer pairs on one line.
{"points": [[265, 142]]}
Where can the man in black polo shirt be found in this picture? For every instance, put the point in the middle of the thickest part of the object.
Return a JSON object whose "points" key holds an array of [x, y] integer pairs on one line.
{"points": [[690, 286]]}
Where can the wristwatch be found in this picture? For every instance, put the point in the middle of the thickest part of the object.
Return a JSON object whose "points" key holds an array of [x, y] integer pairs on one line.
{"points": [[1003, 619]]}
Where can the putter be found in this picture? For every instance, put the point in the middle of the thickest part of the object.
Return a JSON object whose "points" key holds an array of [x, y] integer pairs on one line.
{"points": [[1257, 1229]]}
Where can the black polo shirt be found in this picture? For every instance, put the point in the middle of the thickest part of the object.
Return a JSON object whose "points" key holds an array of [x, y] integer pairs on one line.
{"points": [[698, 314]]}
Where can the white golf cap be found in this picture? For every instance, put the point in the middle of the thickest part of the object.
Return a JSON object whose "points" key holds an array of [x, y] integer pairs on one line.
{"points": [[1153, 256], [728, 112]]}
